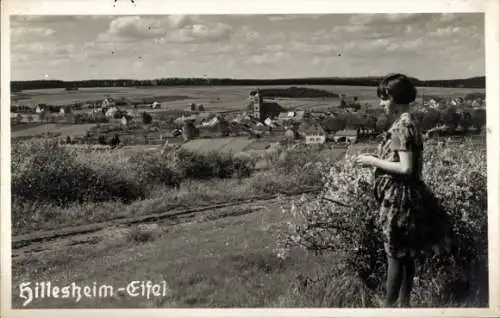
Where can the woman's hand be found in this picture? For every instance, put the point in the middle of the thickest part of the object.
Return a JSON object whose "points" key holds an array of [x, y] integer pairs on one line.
{"points": [[365, 160]]}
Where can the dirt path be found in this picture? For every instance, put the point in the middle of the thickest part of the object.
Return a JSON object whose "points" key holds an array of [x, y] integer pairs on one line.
{"points": [[93, 234], [40, 240], [232, 246]]}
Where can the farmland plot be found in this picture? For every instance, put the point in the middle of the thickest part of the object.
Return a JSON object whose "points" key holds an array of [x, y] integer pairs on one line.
{"points": [[224, 145], [64, 129]]}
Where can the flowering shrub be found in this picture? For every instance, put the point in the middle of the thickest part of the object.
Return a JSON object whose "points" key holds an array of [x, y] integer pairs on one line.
{"points": [[41, 170], [191, 165], [341, 221], [294, 168], [151, 168], [46, 172]]}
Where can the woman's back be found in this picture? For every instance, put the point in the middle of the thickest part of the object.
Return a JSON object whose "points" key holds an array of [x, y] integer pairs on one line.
{"points": [[404, 135]]}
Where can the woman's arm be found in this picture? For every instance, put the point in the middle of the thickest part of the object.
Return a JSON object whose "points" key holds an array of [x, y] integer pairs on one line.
{"points": [[402, 139], [404, 166]]}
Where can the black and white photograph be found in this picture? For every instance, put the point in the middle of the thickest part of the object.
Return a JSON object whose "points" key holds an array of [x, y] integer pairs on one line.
{"points": [[260, 160]]}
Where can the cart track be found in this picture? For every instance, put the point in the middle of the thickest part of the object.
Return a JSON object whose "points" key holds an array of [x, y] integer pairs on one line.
{"points": [[85, 234]]}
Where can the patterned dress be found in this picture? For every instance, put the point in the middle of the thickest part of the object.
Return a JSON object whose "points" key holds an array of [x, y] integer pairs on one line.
{"points": [[409, 214]]}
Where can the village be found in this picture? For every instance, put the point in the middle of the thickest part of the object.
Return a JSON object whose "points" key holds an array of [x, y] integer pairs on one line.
{"points": [[150, 122]]}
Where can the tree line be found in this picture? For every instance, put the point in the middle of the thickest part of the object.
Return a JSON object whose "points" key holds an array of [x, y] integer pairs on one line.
{"points": [[16, 86], [449, 118]]}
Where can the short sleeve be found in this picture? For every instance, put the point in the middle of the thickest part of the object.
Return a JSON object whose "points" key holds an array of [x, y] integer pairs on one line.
{"points": [[402, 138]]}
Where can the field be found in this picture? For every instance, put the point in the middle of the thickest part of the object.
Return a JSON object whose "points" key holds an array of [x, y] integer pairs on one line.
{"points": [[222, 145], [220, 256], [223, 98], [64, 129]]}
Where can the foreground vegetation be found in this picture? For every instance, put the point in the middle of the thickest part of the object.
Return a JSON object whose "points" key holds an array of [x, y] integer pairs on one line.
{"points": [[340, 222], [233, 262], [54, 186]]}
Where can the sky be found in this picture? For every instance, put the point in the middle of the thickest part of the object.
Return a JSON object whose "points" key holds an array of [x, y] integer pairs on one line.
{"points": [[426, 46]]}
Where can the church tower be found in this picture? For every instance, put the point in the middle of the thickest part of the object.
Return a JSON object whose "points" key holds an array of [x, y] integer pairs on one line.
{"points": [[257, 105]]}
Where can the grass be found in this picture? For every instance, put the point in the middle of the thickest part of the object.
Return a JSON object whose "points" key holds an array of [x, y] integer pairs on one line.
{"points": [[228, 262], [223, 145], [48, 216], [64, 129]]}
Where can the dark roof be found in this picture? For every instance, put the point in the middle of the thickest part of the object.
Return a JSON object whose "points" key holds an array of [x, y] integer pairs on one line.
{"points": [[347, 133], [311, 127], [295, 115], [272, 107]]}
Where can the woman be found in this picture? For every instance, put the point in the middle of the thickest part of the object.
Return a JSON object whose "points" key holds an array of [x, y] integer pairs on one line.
{"points": [[406, 205]]}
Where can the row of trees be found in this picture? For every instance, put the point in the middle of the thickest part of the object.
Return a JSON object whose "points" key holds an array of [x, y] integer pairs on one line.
{"points": [[476, 82], [451, 117]]}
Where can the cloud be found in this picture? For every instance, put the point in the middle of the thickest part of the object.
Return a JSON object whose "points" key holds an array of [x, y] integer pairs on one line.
{"points": [[449, 17], [172, 29], [134, 27], [252, 36], [349, 28], [42, 48], [54, 20], [287, 17], [247, 45], [268, 58], [310, 49], [408, 46], [37, 54], [446, 31], [369, 45], [385, 18], [41, 19], [409, 29], [31, 32], [411, 44], [182, 21], [198, 33], [274, 48]]}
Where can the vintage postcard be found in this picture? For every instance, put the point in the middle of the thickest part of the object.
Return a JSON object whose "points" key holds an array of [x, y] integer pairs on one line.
{"points": [[250, 158]]}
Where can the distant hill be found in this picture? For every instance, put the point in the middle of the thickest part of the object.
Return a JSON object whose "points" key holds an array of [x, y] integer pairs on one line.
{"points": [[473, 82], [294, 92]]}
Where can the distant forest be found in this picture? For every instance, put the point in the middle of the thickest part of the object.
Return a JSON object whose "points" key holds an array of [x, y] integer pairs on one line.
{"points": [[16, 86]]}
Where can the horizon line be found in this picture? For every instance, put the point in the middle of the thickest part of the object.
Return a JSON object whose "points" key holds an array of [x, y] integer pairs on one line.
{"points": [[250, 79]]}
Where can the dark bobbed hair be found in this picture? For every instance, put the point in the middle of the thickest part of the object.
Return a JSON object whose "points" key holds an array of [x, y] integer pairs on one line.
{"points": [[399, 87]]}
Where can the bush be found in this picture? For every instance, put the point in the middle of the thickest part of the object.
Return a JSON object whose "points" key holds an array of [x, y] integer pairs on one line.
{"points": [[191, 165], [42, 171], [291, 160], [152, 168], [119, 114], [341, 221], [146, 118], [102, 140], [293, 168]]}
